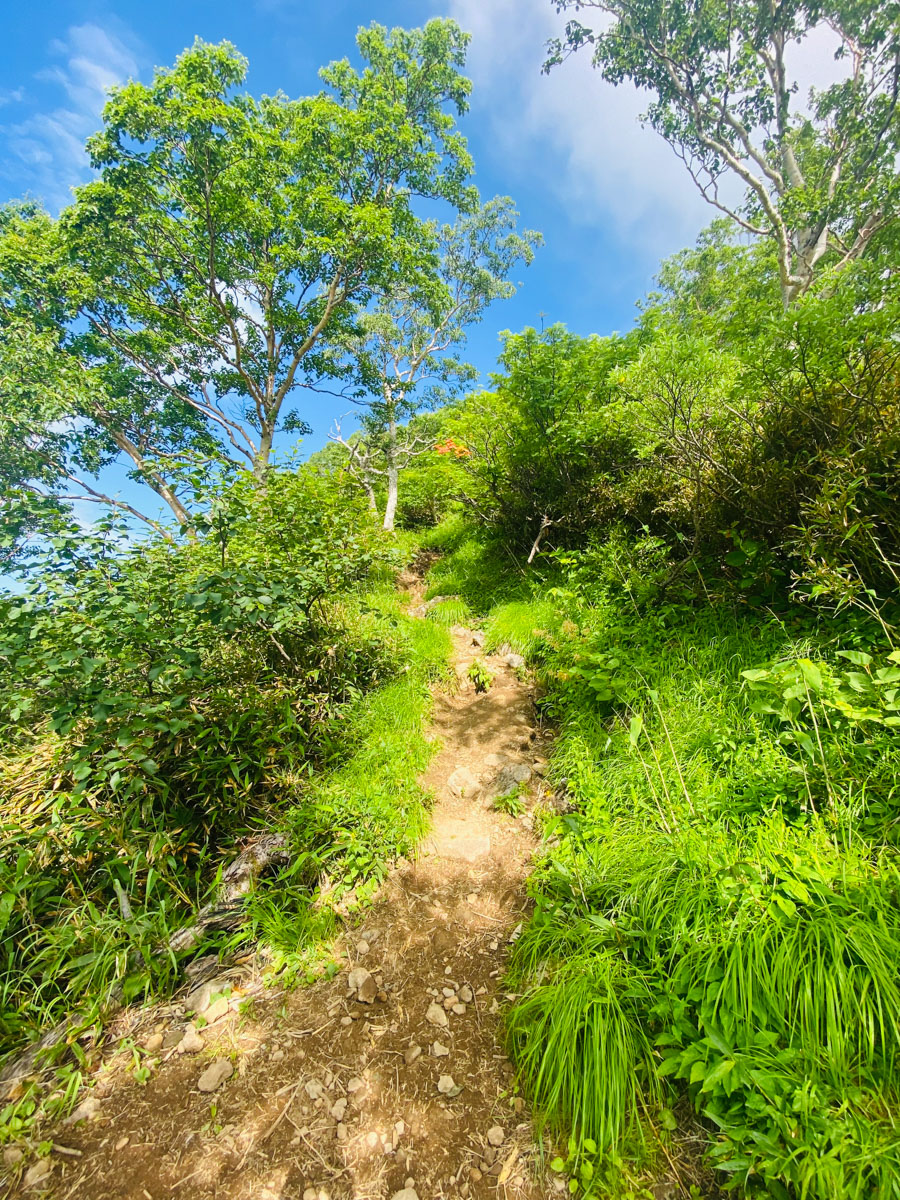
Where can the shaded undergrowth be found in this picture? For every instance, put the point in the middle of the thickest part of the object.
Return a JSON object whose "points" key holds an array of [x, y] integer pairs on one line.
{"points": [[345, 812]]}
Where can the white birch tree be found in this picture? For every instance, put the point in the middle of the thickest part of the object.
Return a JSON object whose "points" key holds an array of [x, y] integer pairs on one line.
{"points": [[411, 341]]}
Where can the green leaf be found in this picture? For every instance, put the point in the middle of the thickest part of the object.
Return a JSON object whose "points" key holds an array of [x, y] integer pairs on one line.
{"points": [[811, 674], [859, 658], [718, 1073]]}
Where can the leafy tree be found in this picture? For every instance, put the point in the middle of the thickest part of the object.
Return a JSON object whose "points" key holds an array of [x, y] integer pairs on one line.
{"points": [[412, 337], [232, 234], [227, 248], [543, 456], [65, 418], [819, 185]]}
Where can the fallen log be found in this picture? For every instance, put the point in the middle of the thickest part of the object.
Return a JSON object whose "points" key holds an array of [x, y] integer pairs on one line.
{"points": [[224, 912]]}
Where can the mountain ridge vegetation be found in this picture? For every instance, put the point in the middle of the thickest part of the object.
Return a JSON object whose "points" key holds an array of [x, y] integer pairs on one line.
{"points": [[688, 531]]}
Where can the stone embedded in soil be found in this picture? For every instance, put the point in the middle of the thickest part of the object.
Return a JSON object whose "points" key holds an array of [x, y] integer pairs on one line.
{"points": [[199, 1000], [465, 994], [406, 1193], [364, 984], [439, 1051], [153, 1043], [507, 781], [216, 1010], [436, 1015], [339, 1108], [447, 1086], [38, 1173], [355, 1085], [495, 1135], [191, 1043], [87, 1110], [411, 1054], [516, 661], [463, 783], [215, 1075]]}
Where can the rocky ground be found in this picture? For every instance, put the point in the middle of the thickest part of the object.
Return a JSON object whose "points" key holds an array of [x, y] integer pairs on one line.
{"points": [[387, 1081]]}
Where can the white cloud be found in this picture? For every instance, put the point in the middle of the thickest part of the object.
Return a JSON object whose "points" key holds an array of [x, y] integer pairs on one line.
{"points": [[583, 136], [580, 133], [47, 148]]}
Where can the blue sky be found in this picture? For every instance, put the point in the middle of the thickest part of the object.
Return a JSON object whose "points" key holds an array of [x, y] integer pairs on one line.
{"points": [[609, 196]]}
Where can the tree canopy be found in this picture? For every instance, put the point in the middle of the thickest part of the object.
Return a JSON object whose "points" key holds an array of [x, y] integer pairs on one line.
{"points": [[817, 173], [229, 244]]}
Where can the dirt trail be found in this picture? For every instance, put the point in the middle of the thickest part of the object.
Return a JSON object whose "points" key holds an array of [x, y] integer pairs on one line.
{"points": [[329, 1096]]}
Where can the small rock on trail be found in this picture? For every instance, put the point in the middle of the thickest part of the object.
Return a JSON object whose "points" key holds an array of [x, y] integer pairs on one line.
{"points": [[215, 1075]]}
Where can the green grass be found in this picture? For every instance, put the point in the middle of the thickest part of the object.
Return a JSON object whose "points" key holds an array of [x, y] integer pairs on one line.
{"points": [[718, 916], [452, 611], [469, 569], [523, 625]]}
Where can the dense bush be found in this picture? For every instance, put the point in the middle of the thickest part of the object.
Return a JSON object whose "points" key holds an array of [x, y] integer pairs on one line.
{"points": [[160, 702], [720, 426]]}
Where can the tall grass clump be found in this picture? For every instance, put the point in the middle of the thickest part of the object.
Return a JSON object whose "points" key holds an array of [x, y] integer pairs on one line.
{"points": [[717, 912], [452, 610]]}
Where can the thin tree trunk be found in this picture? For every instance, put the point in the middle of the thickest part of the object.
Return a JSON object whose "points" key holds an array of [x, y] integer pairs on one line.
{"points": [[370, 495], [155, 480], [262, 455], [390, 507]]}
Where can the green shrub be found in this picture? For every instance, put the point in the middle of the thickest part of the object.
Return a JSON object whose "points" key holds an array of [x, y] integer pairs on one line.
{"points": [[160, 703]]}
